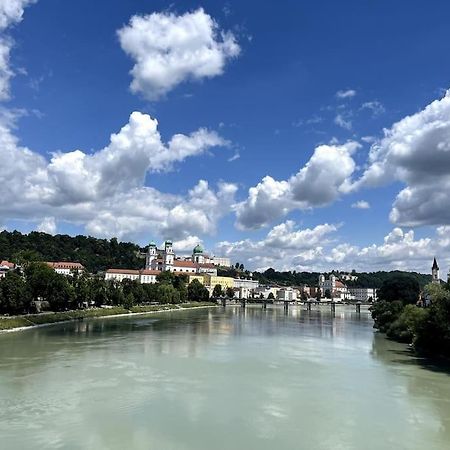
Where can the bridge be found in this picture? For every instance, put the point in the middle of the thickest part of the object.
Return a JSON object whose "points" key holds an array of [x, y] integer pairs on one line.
{"points": [[286, 304]]}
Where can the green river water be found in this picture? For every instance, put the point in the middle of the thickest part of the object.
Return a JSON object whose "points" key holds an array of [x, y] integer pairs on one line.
{"points": [[219, 379]]}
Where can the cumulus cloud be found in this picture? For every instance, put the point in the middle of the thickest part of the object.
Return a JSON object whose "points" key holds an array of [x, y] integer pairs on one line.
{"points": [[105, 191], [169, 49], [48, 225], [347, 93], [361, 204], [11, 13], [415, 151], [321, 181], [283, 242], [286, 247]]}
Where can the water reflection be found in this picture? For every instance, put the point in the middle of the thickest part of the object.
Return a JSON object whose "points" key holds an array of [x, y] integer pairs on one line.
{"points": [[219, 378]]}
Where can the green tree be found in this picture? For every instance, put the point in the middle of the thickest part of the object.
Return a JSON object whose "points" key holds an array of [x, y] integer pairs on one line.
{"points": [[400, 287], [60, 294], [15, 297], [168, 294], [129, 301], [217, 291], [270, 296], [229, 292], [327, 293], [197, 292]]}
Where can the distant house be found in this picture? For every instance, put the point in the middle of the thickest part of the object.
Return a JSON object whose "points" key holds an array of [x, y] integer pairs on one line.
{"points": [[5, 267], [66, 267]]}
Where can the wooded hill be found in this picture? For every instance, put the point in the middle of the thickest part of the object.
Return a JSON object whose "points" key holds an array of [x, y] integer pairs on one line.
{"points": [[95, 254], [370, 279]]}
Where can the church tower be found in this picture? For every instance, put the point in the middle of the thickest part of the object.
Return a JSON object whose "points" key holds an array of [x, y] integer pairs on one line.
{"points": [[197, 254], [168, 256], [150, 256], [435, 273]]}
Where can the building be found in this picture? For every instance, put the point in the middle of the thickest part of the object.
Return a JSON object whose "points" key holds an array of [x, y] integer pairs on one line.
{"points": [[211, 281], [165, 260], [364, 295], [435, 273], [143, 276], [221, 261], [244, 283], [265, 291], [287, 294], [5, 267], [333, 286], [66, 268]]}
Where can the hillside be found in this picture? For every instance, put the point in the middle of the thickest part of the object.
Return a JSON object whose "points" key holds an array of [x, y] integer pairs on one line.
{"points": [[365, 279], [95, 254]]}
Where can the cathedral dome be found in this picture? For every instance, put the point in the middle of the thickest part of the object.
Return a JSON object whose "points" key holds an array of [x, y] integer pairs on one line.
{"points": [[152, 244], [197, 249]]}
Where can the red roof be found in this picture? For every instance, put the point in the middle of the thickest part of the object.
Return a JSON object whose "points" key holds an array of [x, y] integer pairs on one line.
{"points": [[207, 266], [339, 284], [66, 265], [178, 263], [150, 272], [123, 271], [8, 264]]}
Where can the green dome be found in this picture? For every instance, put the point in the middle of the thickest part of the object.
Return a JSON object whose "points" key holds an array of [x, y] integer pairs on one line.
{"points": [[198, 249], [152, 244]]}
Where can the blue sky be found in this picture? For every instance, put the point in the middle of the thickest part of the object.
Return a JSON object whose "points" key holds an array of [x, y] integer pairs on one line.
{"points": [[314, 95]]}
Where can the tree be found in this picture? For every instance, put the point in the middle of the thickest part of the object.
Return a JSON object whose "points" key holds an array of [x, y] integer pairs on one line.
{"points": [[15, 297], [236, 265], [241, 267], [327, 293], [217, 291], [168, 294], [400, 287], [318, 295], [197, 292], [60, 294], [129, 301], [270, 296], [166, 277], [229, 292]]}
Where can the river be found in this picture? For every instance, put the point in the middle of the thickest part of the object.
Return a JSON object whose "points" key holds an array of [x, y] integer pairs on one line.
{"points": [[219, 379]]}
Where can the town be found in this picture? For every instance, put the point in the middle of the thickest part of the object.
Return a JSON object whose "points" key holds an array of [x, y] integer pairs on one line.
{"points": [[206, 269]]}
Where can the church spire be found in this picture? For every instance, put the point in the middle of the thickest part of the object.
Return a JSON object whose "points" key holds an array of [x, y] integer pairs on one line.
{"points": [[435, 265]]}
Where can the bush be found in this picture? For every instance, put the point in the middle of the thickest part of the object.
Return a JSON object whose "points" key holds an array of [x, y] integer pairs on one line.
{"points": [[405, 327]]}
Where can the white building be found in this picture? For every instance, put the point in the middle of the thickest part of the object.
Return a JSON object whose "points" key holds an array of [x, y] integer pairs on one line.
{"points": [[363, 294], [6, 266], [337, 289], [66, 268], [143, 276], [287, 294], [164, 259], [242, 282], [221, 261], [265, 291]]}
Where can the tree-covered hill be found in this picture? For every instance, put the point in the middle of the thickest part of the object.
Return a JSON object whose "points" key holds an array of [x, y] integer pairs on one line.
{"points": [[95, 254], [365, 279]]}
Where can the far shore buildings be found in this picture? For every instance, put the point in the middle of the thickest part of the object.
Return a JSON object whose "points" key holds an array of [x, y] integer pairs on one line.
{"points": [[65, 267], [199, 266], [333, 288], [5, 267]]}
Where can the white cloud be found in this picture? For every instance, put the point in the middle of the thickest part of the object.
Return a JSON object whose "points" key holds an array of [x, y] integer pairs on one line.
{"points": [[348, 93], [361, 204], [169, 49], [375, 107], [48, 225], [416, 151], [287, 248], [283, 242], [186, 244], [105, 191], [343, 122], [11, 13], [321, 181]]}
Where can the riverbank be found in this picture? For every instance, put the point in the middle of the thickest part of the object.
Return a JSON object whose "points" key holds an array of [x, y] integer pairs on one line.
{"points": [[19, 323]]}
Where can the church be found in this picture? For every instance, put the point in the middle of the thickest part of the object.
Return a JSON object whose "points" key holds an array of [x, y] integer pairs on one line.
{"points": [[164, 260]]}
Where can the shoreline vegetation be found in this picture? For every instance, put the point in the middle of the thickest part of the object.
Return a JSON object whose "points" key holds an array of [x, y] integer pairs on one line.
{"points": [[24, 322]]}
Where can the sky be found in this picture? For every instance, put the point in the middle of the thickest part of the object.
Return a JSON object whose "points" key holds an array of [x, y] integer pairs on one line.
{"points": [[297, 135]]}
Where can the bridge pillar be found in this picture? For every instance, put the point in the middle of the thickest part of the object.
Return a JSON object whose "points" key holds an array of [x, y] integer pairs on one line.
{"points": [[333, 306], [286, 305], [358, 307], [264, 304], [224, 302], [243, 303], [309, 306]]}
